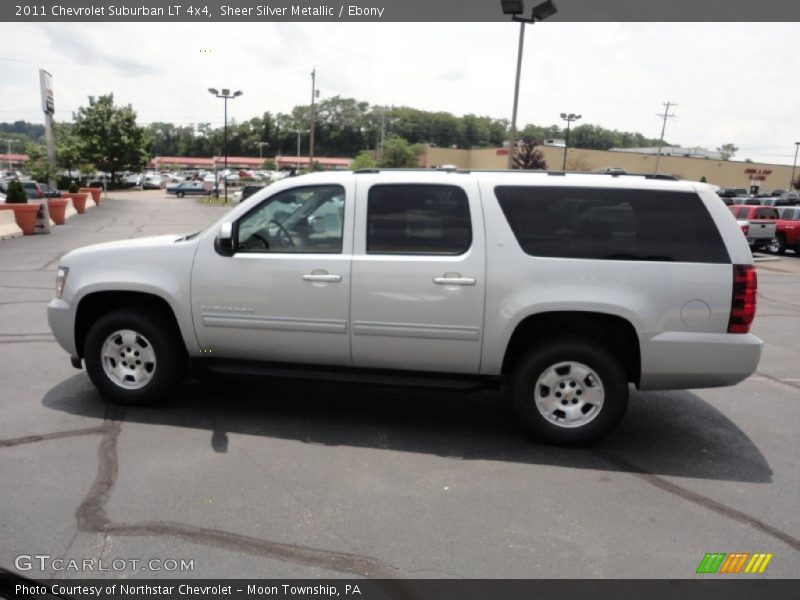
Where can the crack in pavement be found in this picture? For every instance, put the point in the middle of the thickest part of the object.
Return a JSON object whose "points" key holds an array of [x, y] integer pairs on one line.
{"points": [[30, 439], [777, 380], [91, 518], [699, 499]]}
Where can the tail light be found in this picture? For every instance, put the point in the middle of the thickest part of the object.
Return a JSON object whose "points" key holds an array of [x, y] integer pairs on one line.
{"points": [[745, 229], [743, 299]]}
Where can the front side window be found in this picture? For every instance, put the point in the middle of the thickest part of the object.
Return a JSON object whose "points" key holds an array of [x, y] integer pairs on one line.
{"points": [[418, 219], [306, 219], [611, 224]]}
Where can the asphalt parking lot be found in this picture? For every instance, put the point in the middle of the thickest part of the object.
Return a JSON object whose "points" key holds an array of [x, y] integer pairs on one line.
{"points": [[298, 479]]}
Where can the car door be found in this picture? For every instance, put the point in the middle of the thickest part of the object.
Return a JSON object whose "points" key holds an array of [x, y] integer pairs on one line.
{"points": [[284, 293], [418, 274]]}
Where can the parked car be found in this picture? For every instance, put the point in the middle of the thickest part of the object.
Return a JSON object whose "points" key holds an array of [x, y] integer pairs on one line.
{"points": [[250, 189], [787, 231], [154, 182], [32, 189], [422, 277], [48, 191], [189, 188], [758, 223]]}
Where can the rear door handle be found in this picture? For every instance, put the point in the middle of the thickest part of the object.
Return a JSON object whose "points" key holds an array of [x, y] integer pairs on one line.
{"points": [[322, 278], [454, 280]]}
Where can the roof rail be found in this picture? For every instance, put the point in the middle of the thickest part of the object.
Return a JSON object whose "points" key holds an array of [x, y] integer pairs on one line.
{"points": [[517, 171]]}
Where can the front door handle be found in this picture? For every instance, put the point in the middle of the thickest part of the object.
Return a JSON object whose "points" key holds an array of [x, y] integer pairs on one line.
{"points": [[322, 278], [454, 279]]}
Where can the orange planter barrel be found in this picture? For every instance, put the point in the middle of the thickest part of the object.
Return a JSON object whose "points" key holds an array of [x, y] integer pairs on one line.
{"points": [[25, 214], [95, 192], [57, 208], [78, 201]]}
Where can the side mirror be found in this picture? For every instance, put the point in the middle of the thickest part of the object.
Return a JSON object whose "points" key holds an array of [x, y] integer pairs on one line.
{"points": [[224, 241]]}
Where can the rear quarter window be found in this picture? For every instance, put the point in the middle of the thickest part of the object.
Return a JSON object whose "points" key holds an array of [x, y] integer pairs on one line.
{"points": [[611, 224]]}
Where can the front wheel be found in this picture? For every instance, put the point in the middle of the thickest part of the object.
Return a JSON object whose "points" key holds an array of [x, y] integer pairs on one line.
{"points": [[134, 357], [180, 194], [569, 392]]}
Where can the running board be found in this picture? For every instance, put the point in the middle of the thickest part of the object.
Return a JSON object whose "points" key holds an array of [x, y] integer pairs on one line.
{"points": [[417, 379]]}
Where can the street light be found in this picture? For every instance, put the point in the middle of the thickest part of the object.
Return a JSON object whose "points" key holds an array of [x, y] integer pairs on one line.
{"points": [[261, 148], [794, 165], [569, 118], [10, 168], [226, 95], [539, 13]]}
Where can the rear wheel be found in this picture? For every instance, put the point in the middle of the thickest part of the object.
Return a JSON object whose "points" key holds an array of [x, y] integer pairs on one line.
{"points": [[569, 391], [778, 245], [134, 357]]}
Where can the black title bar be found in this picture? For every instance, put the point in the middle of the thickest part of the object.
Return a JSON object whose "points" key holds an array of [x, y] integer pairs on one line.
{"points": [[391, 10]]}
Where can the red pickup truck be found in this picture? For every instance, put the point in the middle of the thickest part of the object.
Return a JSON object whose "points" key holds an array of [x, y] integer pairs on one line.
{"points": [[758, 223], [787, 231]]}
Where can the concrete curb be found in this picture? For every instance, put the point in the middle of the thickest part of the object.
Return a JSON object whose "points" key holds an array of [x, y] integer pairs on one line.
{"points": [[8, 225]]}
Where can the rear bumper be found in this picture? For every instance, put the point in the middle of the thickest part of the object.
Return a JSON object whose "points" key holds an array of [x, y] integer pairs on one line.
{"points": [[681, 360]]}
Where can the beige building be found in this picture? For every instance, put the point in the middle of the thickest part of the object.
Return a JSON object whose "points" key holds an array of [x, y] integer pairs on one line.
{"points": [[724, 173]]}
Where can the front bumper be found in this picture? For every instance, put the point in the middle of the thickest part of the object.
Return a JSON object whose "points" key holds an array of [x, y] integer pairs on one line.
{"points": [[61, 317]]}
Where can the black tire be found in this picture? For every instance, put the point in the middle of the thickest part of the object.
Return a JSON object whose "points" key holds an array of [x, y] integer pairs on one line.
{"points": [[539, 361], [778, 245], [170, 365], [180, 194]]}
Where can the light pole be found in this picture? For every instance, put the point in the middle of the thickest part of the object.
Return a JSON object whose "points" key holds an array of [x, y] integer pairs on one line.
{"points": [[299, 133], [261, 148], [226, 95], [569, 118], [794, 165], [314, 96], [540, 12], [10, 168]]}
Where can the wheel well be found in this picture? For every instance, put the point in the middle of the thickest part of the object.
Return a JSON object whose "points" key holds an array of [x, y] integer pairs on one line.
{"points": [[612, 332], [97, 304]]}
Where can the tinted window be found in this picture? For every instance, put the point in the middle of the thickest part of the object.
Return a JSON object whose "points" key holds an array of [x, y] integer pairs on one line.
{"points": [[304, 219], [418, 219], [612, 224]]}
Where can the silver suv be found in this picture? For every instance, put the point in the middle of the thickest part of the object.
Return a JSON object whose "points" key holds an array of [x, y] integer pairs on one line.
{"points": [[564, 287]]}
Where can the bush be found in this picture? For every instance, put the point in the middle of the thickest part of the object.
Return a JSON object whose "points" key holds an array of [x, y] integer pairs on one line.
{"points": [[16, 193], [63, 182], [73, 188]]}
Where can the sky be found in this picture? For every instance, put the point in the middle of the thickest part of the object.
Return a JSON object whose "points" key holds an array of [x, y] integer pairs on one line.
{"points": [[732, 82]]}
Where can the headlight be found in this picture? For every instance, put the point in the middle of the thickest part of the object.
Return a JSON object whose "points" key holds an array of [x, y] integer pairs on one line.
{"points": [[61, 280]]}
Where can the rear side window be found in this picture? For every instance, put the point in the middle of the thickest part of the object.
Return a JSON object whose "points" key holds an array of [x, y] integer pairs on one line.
{"points": [[418, 219], [766, 213], [612, 224]]}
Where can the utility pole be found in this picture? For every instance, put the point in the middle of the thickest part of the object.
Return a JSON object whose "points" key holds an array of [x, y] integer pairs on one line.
{"points": [[664, 116], [314, 94], [791, 180], [383, 133]]}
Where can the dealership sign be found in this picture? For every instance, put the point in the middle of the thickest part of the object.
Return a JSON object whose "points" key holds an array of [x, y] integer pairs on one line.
{"points": [[46, 85]]}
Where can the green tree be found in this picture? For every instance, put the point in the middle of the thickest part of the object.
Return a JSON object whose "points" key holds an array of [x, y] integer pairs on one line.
{"points": [[69, 149], [528, 156], [269, 165], [110, 138], [364, 160], [38, 166], [398, 153], [727, 151]]}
